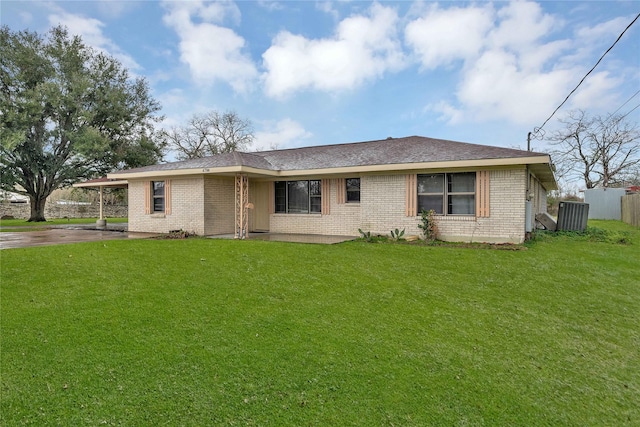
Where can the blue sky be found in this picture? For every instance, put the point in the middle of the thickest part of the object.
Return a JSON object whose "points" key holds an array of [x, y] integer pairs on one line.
{"points": [[324, 72]]}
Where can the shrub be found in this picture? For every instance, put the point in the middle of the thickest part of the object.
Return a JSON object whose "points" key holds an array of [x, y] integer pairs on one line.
{"points": [[428, 224]]}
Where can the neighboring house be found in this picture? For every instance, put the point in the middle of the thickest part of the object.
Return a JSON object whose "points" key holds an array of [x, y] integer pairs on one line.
{"points": [[479, 192]]}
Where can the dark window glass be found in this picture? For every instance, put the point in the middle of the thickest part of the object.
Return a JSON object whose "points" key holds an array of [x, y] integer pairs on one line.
{"points": [[458, 189], [431, 183], [430, 202], [462, 205], [298, 196], [281, 196], [461, 193], [431, 193], [315, 197], [158, 196], [353, 190], [462, 182]]}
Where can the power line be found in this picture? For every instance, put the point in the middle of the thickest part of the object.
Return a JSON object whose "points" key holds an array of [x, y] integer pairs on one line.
{"points": [[630, 111], [537, 130], [625, 103]]}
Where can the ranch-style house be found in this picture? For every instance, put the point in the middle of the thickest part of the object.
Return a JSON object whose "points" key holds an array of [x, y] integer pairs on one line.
{"points": [[480, 193]]}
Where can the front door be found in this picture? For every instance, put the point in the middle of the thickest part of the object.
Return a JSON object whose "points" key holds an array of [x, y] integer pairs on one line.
{"points": [[260, 206]]}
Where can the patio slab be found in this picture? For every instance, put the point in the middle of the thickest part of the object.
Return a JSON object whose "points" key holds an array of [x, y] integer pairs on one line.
{"points": [[293, 238]]}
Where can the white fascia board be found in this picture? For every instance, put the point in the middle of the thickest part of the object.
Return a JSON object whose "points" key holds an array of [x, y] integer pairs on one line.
{"points": [[114, 183], [446, 165], [229, 170]]}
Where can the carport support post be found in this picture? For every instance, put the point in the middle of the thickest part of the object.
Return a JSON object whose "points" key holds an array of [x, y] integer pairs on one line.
{"points": [[242, 204], [101, 222]]}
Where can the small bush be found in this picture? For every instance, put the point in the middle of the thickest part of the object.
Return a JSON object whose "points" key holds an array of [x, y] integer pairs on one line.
{"points": [[428, 224], [397, 234], [179, 234], [591, 234]]}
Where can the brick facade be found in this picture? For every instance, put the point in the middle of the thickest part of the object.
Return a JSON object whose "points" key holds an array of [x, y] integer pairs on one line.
{"points": [[219, 206], [205, 206], [187, 201]]}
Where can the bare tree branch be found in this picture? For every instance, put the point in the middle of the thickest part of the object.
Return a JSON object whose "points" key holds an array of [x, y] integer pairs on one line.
{"points": [[600, 151], [209, 134]]}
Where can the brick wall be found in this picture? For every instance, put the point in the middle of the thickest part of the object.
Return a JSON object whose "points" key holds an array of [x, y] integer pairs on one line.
{"points": [[382, 209], [343, 220], [206, 206], [219, 206], [187, 208]]}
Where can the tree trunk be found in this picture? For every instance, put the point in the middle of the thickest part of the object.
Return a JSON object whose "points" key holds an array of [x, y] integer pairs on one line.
{"points": [[37, 209]]}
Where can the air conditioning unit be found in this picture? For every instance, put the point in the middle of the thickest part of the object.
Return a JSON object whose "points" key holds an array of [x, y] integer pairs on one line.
{"points": [[572, 216]]}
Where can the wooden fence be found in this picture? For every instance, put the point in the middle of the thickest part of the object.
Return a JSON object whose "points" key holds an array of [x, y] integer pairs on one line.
{"points": [[631, 209]]}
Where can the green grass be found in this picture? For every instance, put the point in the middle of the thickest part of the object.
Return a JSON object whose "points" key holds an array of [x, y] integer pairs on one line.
{"points": [[30, 226], [219, 332]]}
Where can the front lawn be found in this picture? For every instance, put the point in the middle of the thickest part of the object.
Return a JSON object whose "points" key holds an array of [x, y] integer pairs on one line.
{"points": [[56, 221], [221, 332]]}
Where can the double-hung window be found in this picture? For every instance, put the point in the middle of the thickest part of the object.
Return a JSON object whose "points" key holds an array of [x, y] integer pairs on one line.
{"points": [[157, 188], [447, 194], [353, 190], [298, 196]]}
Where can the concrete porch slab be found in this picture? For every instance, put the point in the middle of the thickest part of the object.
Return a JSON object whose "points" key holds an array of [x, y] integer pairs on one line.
{"points": [[293, 238]]}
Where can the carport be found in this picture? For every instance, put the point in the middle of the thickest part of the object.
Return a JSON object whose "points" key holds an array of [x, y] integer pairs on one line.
{"points": [[101, 183]]}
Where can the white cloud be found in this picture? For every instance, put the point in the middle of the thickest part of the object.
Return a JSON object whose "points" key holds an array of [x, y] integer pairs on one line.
{"points": [[521, 25], [496, 87], [598, 90], [363, 48], [447, 111], [115, 9], [510, 71], [270, 5], [211, 51], [282, 134], [328, 8], [25, 17], [90, 29], [446, 35], [607, 30]]}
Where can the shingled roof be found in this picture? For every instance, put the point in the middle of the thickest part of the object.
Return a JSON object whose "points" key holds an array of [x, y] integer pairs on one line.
{"points": [[391, 154], [407, 150]]}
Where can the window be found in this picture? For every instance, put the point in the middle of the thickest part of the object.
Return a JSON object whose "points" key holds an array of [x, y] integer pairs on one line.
{"points": [[353, 190], [298, 197], [157, 196], [447, 194]]}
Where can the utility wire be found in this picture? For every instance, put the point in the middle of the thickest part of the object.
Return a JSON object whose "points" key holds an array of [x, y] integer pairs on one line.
{"points": [[537, 130], [630, 111], [611, 116], [625, 103]]}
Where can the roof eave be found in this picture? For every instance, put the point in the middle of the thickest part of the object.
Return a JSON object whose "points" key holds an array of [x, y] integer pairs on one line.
{"points": [[449, 164], [543, 161], [226, 170], [119, 183]]}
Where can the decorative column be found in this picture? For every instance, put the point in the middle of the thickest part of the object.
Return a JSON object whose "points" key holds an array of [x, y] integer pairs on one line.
{"points": [[242, 206]]}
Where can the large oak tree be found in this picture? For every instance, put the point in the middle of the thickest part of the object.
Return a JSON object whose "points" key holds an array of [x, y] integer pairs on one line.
{"points": [[68, 113]]}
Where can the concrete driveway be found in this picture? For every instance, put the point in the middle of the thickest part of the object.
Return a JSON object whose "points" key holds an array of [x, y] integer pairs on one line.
{"points": [[57, 236]]}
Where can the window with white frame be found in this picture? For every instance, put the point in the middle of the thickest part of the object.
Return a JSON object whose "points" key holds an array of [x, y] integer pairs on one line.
{"points": [[447, 193], [298, 196]]}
